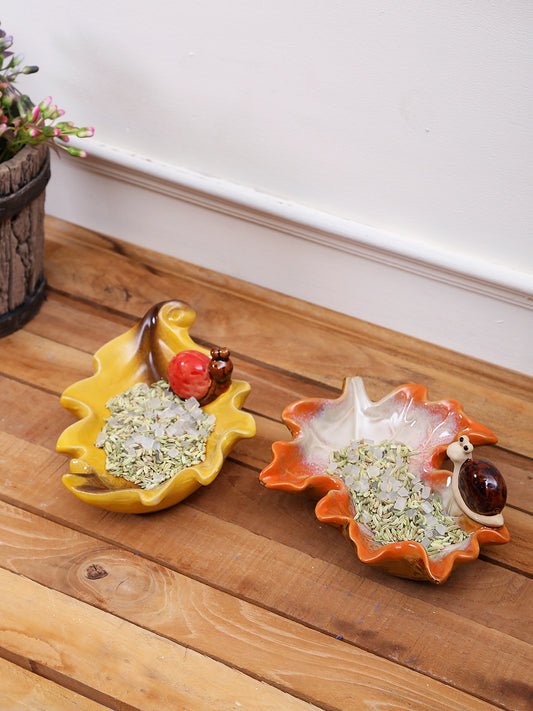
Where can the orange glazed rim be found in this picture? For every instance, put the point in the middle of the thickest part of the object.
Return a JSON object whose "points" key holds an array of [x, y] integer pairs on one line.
{"points": [[319, 426]]}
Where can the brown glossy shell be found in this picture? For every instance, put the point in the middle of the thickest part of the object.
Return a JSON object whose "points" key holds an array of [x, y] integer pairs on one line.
{"points": [[220, 370], [482, 487]]}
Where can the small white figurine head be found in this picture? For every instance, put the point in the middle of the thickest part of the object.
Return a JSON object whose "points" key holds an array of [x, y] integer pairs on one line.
{"points": [[478, 488], [460, 450]]}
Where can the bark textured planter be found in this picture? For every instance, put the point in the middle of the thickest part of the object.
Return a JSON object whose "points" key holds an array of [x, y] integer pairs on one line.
{"points": [[22, 283]]}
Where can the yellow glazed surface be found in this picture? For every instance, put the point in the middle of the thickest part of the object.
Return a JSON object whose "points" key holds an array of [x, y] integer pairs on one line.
{"points": [[142, 354]]}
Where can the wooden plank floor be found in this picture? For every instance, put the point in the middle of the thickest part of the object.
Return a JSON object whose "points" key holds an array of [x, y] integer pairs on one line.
{"points": [[238, 598]]}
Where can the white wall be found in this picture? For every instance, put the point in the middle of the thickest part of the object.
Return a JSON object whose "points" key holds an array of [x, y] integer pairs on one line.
{"points": [[410, 118]]}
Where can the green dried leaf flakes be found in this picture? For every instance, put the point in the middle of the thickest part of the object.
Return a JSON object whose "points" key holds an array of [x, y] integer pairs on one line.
{"points": [[151, 434], [391, 502]]}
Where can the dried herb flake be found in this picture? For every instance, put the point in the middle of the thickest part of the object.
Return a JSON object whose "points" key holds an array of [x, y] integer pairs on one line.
{"points": [[151, 434], [391, 502]]}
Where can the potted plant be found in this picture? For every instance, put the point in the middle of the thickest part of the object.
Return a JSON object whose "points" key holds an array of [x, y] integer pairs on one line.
{"points": [[27, 131]]}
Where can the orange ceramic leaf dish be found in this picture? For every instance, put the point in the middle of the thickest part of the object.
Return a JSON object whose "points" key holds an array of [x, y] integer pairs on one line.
{"points": [[142, 355], [321, 426]]}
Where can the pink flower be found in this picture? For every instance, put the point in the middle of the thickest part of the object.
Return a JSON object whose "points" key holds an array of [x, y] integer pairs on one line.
{"points": [[85, 132]]}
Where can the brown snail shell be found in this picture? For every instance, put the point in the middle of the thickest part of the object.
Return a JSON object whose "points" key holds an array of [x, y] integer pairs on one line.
{"points": [[482, 487], [220, 369]]}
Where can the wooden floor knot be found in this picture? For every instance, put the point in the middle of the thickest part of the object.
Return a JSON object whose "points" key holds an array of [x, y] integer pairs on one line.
{"points": [[95, 572]]}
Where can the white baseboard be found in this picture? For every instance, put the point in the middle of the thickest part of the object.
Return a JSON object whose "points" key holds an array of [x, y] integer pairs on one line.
{"points": [[455, 300]]}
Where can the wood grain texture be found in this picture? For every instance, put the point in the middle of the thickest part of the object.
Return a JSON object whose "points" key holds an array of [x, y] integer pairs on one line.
{"points": [[50, 365], [22, 690], [254, 454], [398, 620], [142, 669], [256, 641], [252, 321], [240, 582]]}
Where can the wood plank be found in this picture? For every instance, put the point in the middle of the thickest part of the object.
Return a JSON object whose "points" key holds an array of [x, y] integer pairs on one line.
{"points": [[481, 606], [22, 690], [267, 398], [30, 413], [84, 328], [67, 361], [235, 497], [120, 660], [59, 231], [519, 557], [245, 577], [43, 362], [81, 325], [42, 423], [260, 643], [317, 343]]}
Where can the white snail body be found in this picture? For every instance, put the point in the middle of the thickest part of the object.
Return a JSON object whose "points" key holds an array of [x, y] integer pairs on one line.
{"points": [[479, 481]]}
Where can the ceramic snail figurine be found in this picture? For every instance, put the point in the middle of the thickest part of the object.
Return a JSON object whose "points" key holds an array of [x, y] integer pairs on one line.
{"points": [[478, 487], [195, 374], [220, 369]]}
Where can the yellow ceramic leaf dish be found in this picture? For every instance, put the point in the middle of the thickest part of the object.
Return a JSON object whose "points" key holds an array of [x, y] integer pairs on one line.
{"points": [[142, 355]]}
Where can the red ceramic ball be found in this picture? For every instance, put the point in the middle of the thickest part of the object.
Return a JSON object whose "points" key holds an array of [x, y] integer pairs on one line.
{"points": [[482, 487], [188, 374]]}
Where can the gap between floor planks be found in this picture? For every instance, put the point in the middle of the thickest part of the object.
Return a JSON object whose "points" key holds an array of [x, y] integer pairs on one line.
{"points": [[255, 453], [161, 264], [120, 660], [377, 382], [34, 364], [23, 690], [52, 366], [257, 642], [499, 395], [335, 598], [162, 283]]}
